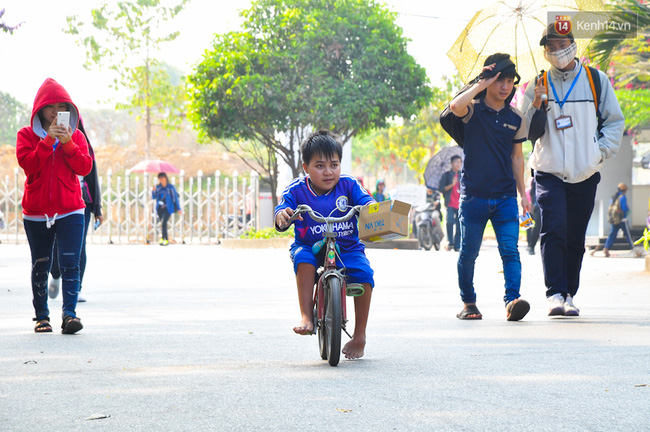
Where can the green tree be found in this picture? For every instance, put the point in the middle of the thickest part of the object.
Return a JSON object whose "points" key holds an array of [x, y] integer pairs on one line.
{"points": [[413, 140], [630, 39], [258, 157], [634, 104], [124, 37], [370, 159], [13, 116], [164, 102], [299, 65], [624, 51]]}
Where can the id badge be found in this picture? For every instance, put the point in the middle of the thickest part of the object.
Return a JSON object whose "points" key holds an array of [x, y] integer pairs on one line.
{"points": [[563, 122]]}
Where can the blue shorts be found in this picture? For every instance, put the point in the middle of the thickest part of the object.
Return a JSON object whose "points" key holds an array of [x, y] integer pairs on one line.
{"points": [[357, 266]]}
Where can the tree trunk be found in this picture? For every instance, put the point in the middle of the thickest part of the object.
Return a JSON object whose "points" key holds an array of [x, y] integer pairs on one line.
{"points": [[273, 171], [294, 161], [147, 104], [274, 192], [148, 120]]}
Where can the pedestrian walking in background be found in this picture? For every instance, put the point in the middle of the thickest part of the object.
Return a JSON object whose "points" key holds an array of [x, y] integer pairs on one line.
{"points": [[53, 156], [167, 204], [576, 130], [532, 234], [617, 216], [92, 197], [493, 173], [379, 195], [450, 187]]}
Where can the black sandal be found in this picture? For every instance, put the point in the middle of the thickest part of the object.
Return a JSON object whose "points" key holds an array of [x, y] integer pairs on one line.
{"points": [[42, 325], [470, 312], [71, 325]]}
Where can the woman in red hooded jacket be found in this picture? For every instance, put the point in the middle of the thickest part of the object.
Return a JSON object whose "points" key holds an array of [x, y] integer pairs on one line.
{"points": [[53, 157]]}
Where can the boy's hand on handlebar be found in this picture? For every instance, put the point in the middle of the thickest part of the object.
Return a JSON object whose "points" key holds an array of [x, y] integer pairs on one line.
{"points": [[283, 217]]}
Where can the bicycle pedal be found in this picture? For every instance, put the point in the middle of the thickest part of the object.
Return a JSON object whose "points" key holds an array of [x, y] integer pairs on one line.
{"points": [[354, 290]]}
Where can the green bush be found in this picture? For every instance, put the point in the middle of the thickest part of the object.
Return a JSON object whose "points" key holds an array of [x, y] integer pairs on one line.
{"points": [[267, 233]]}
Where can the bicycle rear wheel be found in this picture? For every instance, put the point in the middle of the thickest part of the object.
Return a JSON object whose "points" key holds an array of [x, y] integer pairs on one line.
{"points": [[333, 320]]}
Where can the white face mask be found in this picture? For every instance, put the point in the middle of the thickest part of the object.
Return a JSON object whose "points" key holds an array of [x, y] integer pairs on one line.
{"points": [[561, 59]]}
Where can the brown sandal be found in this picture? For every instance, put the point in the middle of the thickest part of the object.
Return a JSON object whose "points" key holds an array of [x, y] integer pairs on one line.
{"points": [[71, 325], [470, 312], [42, 326]]}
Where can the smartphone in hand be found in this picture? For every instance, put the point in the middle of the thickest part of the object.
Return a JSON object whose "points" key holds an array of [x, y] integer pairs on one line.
{"points": [[63, 119]]}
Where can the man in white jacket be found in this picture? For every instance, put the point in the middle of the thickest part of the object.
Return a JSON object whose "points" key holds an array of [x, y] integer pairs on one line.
{"points": [[577, 136]]}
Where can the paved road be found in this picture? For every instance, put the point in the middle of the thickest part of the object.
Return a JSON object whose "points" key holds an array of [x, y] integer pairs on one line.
{"points": [[198, 338]]}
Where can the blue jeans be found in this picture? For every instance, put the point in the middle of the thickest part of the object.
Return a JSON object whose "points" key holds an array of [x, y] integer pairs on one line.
{"points": [[453, 221], [474, 214], [566, 209], [614, 232], [69, 233], [55, 271]]}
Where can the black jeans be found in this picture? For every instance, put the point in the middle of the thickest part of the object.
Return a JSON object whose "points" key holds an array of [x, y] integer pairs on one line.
{"points": [[69, 231], [453, 221], [164, 216], [565, 212], [532, 234]]}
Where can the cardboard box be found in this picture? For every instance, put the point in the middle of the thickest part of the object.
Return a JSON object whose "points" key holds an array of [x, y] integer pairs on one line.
{"points": [[384, 221]]}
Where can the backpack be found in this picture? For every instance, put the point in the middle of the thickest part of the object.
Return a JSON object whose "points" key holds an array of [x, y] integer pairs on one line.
{"points": [[538, 122], [614, 213]]}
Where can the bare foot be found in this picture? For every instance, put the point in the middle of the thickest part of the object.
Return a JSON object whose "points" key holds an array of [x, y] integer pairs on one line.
{"points": [[306, 327], [354, 348]]}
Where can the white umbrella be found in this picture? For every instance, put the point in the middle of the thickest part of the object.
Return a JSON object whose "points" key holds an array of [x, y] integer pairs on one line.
{"points": [[513, 27]]}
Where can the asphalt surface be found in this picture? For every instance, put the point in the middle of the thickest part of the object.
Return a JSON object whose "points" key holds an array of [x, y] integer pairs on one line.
{"points": [[198, 338]]}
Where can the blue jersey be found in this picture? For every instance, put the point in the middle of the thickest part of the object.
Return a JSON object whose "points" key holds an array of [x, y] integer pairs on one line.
{"points": [[335, 203]]}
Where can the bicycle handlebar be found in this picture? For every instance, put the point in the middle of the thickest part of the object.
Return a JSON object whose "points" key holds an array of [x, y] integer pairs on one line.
{"points": [[304, 208]]}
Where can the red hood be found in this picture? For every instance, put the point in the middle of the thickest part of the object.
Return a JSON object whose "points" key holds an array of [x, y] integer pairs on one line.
{"points": [[51, 92]]}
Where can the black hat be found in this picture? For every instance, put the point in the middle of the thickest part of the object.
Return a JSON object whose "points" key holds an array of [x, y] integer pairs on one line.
{"points": [[551, 33], [505, 66]]}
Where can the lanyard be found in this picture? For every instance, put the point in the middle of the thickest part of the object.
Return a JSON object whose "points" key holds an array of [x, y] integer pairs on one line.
{"points": [[566, 96]]}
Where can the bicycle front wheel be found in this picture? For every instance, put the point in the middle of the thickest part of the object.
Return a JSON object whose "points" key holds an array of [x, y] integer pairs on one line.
{"points": [[322, 338], [333, 320]]}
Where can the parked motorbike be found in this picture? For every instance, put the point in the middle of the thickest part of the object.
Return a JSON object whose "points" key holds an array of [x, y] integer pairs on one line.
{"points": [[428, 223]]}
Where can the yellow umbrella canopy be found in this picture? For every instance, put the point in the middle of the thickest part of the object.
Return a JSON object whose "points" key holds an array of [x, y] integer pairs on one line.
{"points": [[513, 27]]}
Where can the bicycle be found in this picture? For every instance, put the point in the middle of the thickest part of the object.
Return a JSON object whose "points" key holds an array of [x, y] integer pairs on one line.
{"points": [[330, 317]]}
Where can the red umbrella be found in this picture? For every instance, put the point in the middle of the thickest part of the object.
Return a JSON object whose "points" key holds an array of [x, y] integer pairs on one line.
{"points": [[154, 166]]}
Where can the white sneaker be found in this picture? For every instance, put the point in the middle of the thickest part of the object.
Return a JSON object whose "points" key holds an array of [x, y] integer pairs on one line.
{"points": [[53, 290], [569, 308], [555, 305]]}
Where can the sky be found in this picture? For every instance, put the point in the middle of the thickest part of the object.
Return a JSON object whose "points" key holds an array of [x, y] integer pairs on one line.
{"points": [[39, 49]]}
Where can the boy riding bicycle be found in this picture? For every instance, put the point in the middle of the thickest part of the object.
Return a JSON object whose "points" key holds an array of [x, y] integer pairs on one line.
{"points": [[329, 193]]}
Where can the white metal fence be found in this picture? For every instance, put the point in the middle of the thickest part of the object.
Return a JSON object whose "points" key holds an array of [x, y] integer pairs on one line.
{"points": [[213, 208]]}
